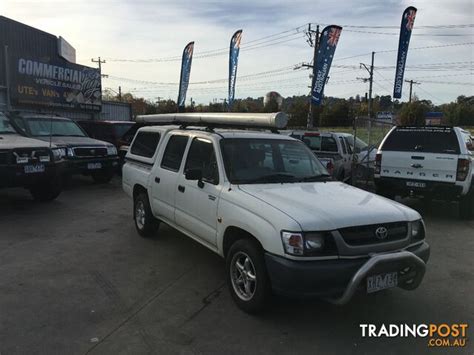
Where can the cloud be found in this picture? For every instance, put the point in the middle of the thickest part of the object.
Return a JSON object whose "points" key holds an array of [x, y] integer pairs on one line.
{"points": [[133, 29]]}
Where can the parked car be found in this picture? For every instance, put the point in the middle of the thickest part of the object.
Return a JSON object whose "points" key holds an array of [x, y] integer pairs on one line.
{"points": [[265, 203], [364, 155], [29, 163], [329, 146], [84, 155], [431, 162], [109, 131]]}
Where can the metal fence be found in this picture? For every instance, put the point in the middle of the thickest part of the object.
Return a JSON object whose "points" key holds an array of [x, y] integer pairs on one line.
{"points": [[372, 132]]}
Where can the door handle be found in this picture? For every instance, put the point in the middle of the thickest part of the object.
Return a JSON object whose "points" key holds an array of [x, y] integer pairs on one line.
{"points": [[180, 188], [157, 180]]}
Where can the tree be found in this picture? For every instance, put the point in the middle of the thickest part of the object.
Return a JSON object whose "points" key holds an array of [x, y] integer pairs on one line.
{"points": [[460, 112], [297, 109], [413, 113], [336, 113]]}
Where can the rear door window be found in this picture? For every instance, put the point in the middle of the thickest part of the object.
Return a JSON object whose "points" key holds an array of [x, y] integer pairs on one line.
{"points": [[145, 144], [423, 139], [174, 152]]}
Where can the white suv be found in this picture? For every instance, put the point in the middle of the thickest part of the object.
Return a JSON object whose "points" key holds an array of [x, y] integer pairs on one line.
{"points": [[431, 161]]}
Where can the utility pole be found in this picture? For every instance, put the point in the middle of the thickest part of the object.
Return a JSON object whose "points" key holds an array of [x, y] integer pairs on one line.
{"points": [[120, 94], [313, 41], [370, 79], [411, 86], [100, 62]]}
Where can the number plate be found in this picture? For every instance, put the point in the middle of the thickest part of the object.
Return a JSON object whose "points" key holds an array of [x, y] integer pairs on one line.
{"points": [[94, 166], [381, 282], [32, 169], [416, 184]]}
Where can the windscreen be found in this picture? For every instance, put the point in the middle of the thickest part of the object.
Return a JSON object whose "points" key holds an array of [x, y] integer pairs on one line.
{"points": [[5, 126], [250, 160], [40, 127], [122, 128], [320, 143], [360, 145], [422, 139]]}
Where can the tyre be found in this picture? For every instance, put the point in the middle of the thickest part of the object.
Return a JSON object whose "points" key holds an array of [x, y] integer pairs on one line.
{"points": [[145, 223], [247, 277], [47, 190], [102, 177], [466, 206]]}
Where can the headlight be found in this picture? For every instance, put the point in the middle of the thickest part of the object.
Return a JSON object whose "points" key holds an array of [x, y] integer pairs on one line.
{"points": [[417, 230], [59, 153], [309, 243], [292, 243], [314, 242], [70, 152], [111, 150]]}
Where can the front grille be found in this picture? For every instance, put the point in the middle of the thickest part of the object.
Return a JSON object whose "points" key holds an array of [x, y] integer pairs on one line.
{"points": [[363, 235], [31, 155], [4, 158], [90, 152]]}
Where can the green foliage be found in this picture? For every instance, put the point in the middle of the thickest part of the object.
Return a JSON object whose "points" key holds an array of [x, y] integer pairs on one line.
{"points": [[336, 113], [413, 113], [459, 113], [297, 109]]}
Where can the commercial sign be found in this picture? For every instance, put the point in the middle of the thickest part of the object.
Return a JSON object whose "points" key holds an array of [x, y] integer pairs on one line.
{"points": [[54, 84]]}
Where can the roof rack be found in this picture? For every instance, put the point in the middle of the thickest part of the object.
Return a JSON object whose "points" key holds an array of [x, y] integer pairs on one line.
{"points": [[272, 121]]}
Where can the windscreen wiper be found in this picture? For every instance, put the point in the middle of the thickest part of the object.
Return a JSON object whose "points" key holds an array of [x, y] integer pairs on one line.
{"points": [[277, 177], [322, 177]]}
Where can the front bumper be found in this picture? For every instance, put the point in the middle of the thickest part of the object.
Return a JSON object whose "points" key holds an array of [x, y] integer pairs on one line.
{"points": [[338, 279], [14, 175], [82, 166]]}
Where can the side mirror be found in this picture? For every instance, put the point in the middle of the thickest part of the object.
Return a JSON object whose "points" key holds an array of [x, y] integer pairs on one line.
{"points": [[193, 174]]}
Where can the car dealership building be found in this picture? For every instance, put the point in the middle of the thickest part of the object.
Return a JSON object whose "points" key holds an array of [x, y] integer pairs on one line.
{"points": [[39, 73]]}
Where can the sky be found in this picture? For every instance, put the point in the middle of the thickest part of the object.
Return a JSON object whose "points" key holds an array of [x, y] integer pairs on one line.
{"points": [[142, 42]]}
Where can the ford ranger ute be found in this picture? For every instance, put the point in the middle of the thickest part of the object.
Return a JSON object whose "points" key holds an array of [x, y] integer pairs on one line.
{"points": [[265, 203], [84, 155], [29, 163], [431, 162]]}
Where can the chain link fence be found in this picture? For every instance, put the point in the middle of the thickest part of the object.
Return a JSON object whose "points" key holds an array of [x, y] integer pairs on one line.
{"points": [[372, 132]]}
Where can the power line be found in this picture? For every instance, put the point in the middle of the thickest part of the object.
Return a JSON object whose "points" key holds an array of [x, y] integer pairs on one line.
{"points": [[262, 42], [467, 25]]}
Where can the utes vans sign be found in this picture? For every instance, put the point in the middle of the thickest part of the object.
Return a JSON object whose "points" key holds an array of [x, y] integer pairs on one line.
{"points": [[55, 85]]}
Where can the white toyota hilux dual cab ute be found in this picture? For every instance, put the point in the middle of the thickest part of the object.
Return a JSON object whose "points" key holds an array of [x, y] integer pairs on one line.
{"points": [[266, 204], [433, 162]]}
